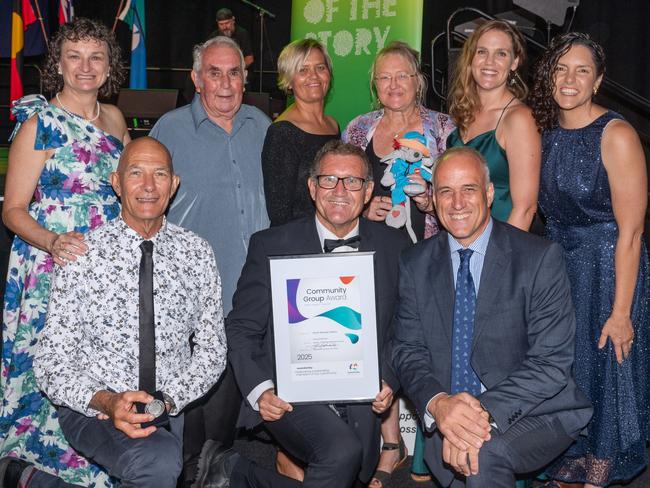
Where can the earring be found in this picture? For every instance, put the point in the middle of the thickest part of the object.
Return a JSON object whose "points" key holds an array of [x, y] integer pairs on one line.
{"points": [[59, 71], [512, 77], [595, 90]]}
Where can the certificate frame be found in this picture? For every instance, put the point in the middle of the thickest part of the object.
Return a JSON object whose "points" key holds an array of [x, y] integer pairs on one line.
{"points": [[324, 320]]}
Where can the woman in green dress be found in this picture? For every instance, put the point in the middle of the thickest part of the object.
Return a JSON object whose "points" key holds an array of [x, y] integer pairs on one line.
{"points": [[486, 103]]}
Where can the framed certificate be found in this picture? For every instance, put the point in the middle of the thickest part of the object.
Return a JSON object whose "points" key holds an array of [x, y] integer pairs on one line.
{"points": [[325, 327]]}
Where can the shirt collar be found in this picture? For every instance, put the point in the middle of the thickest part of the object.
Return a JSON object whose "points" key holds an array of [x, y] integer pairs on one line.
{"points": [[133, 239], [325, 233], [479, 245], [199, 115]]}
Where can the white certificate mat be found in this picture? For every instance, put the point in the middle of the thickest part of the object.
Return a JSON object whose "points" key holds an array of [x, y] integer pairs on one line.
{"points": [[325, 327]]}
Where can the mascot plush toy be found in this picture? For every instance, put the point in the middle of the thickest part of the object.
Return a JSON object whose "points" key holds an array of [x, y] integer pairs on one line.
{"points": [[410, 156]]}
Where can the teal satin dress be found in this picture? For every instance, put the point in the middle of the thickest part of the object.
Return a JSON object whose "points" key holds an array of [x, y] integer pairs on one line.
{"points": [[486, 143]]}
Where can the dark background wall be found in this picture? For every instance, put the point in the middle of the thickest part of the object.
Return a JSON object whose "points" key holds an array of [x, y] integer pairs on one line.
{"points": [[174, 27]]}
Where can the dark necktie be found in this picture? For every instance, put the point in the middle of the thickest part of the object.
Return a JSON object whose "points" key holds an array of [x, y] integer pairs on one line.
{"points": [[147, 338], [463, 377], [330, 244]]}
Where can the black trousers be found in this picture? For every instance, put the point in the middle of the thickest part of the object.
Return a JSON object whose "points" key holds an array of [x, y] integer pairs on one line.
{"points": [[316, 435], [212, 417]]}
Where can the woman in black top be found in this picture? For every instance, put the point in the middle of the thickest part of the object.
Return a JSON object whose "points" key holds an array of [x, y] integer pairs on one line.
{"points": [[304, 71]]}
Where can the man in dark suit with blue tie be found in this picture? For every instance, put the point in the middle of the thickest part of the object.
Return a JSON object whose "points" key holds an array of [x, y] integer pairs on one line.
{"points": [[484, 338]]}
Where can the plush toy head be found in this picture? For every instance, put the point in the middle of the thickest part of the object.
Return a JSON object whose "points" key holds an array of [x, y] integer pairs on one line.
{"points": [[414, 145]]}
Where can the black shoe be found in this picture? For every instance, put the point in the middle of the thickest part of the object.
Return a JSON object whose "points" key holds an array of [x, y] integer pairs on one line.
{"points": [[11, 469], [215, 466]]}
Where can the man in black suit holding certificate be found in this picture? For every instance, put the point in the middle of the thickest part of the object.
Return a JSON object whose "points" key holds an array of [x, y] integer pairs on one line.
{"points": [[338, 444], [484, 338]]}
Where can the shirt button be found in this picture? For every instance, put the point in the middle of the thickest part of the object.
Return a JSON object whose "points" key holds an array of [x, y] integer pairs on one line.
{"points": [[238, 185], [234, 162], [242, 212]]}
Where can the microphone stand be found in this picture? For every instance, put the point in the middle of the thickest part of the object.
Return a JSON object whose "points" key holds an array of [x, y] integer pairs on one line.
{"points": [[261, 12]]}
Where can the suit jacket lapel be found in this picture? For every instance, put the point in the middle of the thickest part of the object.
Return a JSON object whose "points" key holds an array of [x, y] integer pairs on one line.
{"points": [[441, 291], [365, 233], [312, 244], [495, 265]]}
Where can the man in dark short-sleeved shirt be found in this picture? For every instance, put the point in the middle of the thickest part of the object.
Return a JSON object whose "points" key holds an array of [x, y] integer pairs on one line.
{"points": [[226, 26]]}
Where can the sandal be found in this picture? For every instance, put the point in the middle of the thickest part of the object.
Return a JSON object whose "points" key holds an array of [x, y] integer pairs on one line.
{"points": [[381, 476], [420, 478]]}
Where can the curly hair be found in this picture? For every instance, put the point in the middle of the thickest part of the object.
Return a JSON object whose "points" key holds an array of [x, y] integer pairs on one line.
{"points": [[463, 96], [545, 110], [412, 57], [82, 29]]}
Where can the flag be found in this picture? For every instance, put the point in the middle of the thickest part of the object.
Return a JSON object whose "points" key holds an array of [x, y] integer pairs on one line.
{"points": [[133, 15], [66, 11], [22, 16]]}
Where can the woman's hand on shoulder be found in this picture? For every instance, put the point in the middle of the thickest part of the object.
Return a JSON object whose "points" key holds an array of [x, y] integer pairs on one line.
{"points": [[65, 247]]}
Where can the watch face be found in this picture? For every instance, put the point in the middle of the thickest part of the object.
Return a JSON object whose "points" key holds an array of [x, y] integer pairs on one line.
{"points": [[155, 408]]}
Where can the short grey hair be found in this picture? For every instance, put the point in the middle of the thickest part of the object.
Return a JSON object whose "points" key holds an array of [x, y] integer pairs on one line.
{"points": [[336, 147], [199, 50], [467, 151]]}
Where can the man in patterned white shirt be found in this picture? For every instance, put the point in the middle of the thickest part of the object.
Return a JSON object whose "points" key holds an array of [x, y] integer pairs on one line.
{"points": [[90, 360]]}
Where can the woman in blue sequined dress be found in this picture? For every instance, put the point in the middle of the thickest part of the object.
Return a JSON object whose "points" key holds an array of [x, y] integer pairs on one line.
{"points": [[593, 193]]}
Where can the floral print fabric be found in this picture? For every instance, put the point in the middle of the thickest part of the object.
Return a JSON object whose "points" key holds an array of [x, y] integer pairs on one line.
{"points": [[73, 193], [91, 340], [437, 127]]}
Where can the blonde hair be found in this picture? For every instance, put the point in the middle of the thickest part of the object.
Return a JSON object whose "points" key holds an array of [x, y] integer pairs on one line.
{"points": [[412, 57], [293, 56], [463, 97]]}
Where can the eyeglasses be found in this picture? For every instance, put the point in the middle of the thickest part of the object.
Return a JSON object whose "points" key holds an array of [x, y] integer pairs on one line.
{"points": [[329, 182], [386, 79]]}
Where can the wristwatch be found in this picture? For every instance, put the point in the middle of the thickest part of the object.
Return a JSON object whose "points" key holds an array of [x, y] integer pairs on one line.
{"points": [[169, 403]]}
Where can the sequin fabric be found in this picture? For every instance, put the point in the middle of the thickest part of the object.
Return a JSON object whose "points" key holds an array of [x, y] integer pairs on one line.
{"points": [[576, 200]]}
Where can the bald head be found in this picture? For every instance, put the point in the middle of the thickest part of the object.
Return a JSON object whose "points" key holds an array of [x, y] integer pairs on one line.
{"points": [[145, 182], [147, 145], [465, 153]]}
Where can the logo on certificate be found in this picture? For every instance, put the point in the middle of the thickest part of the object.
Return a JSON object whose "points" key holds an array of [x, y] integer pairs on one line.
{"points": [[325, 323]]}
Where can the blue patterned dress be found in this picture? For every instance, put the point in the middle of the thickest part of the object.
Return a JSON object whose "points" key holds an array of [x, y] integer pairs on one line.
{"points": [[73, 193], [576, 200]]}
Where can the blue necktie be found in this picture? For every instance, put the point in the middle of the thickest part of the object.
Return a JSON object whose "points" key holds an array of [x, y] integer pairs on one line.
{"points": [[463, 377]]}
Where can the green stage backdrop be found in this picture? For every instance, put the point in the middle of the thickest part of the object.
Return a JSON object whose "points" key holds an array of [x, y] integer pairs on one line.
{"points": [[353, 32]]}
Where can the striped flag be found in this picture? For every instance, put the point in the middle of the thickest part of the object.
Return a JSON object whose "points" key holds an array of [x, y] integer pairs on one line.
{"points": [[22, 16], [66, 11], [133, 15]]}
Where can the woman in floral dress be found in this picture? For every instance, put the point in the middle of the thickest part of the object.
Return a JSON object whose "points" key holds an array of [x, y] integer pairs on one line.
{"points": [[57, 189]]}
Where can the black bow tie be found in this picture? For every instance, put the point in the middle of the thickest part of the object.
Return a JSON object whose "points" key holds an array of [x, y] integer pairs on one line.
{"points": [[331, 244]]}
